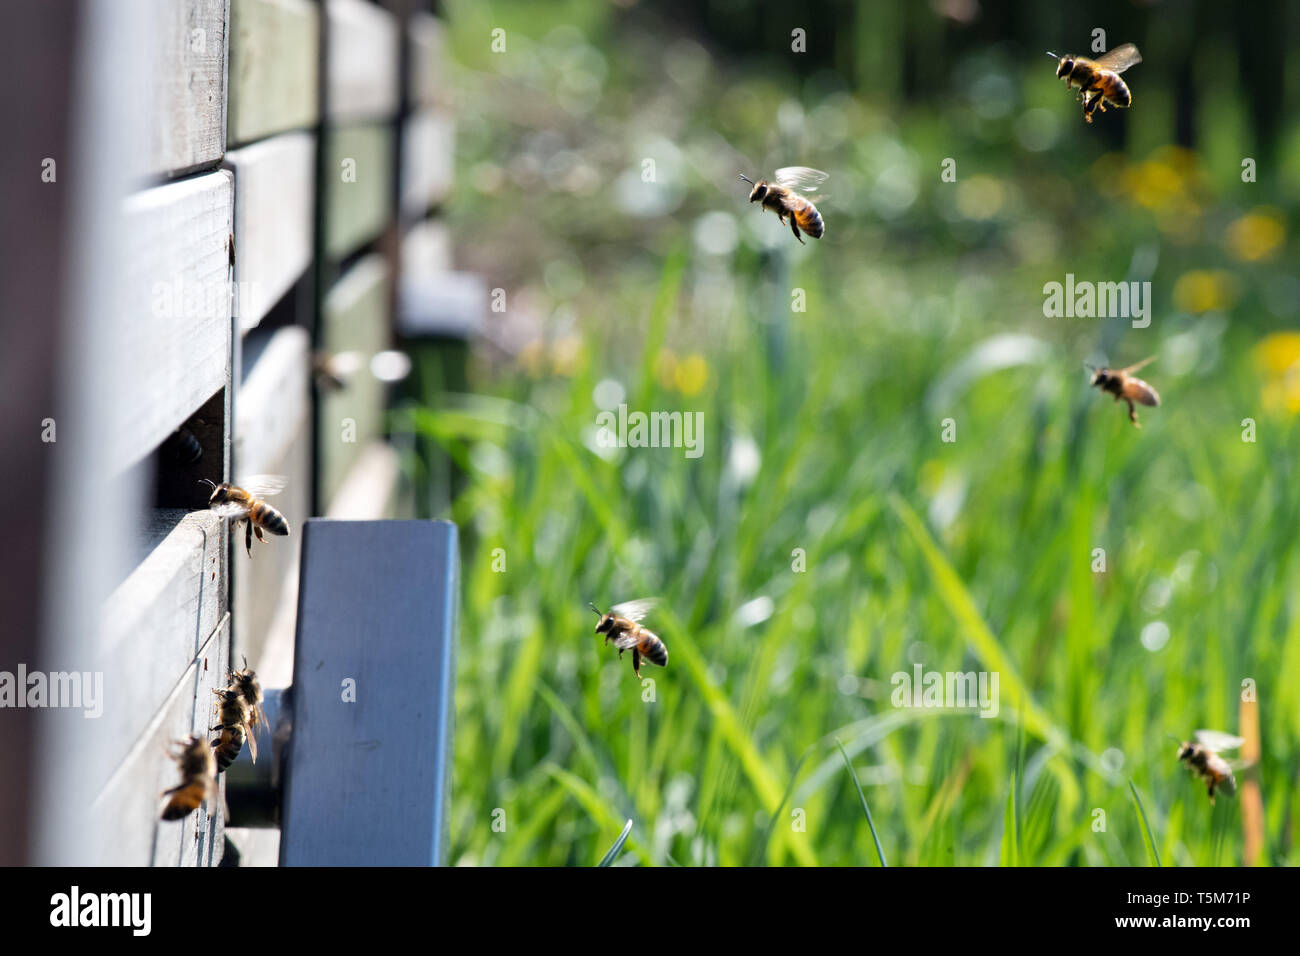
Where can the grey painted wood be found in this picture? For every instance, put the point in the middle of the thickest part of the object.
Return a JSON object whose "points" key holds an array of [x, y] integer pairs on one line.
{"points": [[275, 195], [175, 319], [362, 60], [272, 436], [366, 781], [369, 489], [355, 324], [274, 67], [187, 84], [158, 620], [428, 159], [427, 39], [128, 830], [452, 304], [358, 172]]}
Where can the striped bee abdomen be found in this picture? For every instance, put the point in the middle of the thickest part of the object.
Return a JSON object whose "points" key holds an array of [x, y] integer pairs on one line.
{"points": [[810, 220], [270, 519], [654, 651]]}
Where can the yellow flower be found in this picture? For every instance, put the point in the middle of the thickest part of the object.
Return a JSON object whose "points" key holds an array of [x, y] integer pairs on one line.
{"points": [[1204, 290], [691, 374], [1255, 236], [1278, 356]]}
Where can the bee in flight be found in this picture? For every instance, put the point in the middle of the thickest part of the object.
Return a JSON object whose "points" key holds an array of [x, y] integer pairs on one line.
{"points": [[1124, 384], [622, 626], [782, 197], [198, 770], [1202, 757], [1098, 80], [244, 503], [232, 720]]}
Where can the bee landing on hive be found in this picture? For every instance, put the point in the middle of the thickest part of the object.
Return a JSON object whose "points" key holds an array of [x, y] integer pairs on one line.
{"points": [[244, 503], [782, 197], [1098, 80]]}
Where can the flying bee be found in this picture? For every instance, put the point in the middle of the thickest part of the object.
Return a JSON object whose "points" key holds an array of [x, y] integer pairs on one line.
{"points": [[232, 720], [782, 198], [249, 688], [333, 372], [1098, 80], [622, 626], [184, 446], [1202, 757], [198, 770], [244, 503], [1124, 384]]}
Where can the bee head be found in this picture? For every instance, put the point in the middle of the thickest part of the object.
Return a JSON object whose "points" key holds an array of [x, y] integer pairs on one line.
{"points": [[759, 192], [1065, 66], [1100, 377], [606, 620], [218, 491]]}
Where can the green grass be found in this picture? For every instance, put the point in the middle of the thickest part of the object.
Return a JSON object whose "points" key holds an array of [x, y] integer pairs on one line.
{"points": [[972, 555]]}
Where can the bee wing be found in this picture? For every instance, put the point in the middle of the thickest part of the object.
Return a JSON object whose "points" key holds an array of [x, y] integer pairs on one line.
{"points": [[260, 486], [801, 179], [1137, 390], [1138, 365], [1217, 740], [230, 509], [1120, 59], [634, 610], [250, 738], [625, 642]]}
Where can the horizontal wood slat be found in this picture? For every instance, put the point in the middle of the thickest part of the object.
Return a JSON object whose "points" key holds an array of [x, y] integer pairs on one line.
{"points": [[274, 67], [187, 73]]}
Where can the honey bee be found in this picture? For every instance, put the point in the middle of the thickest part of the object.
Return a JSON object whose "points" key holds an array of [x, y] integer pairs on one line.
{"points": [[1202, 756], [781, 197], [1124, 384], [245, 683], [244, 503], [198, 770], [1098, 80], [232, 720], [622, 626], [334, 372], [184, 446]]}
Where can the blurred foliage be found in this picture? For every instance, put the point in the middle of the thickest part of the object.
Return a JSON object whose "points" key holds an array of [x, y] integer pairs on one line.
{"points": [[924, 302]]}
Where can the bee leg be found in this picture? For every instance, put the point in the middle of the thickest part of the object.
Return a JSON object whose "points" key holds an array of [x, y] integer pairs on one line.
{"points": [[258, 531], [636, 663], [795, 226], [248, 537], [1132, 414]]}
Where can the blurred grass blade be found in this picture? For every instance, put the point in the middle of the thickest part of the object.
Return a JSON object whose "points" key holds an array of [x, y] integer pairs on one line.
{"points": [[863, 797], [1146, 827], [617, 847], [756, 858], [1010, 853]]}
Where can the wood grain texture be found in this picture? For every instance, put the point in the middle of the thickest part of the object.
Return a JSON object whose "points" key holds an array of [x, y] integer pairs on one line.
{"points": [[358, 186], [427, 44], [428, 161], [362, 60], [272, 436], [274, 68], [176, 306], [158, 619], [187, 84], [126, 810], [274, 220], [355, 323], [366, 781]]}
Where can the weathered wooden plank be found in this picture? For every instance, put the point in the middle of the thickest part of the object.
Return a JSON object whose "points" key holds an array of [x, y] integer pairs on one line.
{"points": [[427, 43], [274, 67], [450, 304], [187, 85], [274, 220], [428, 158], [366, 778], [356, 321], [369, 490], [362, 60], [126, 810], [160, 616], [358, 186], [271, 437], [177, 305], [426, 249]]}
